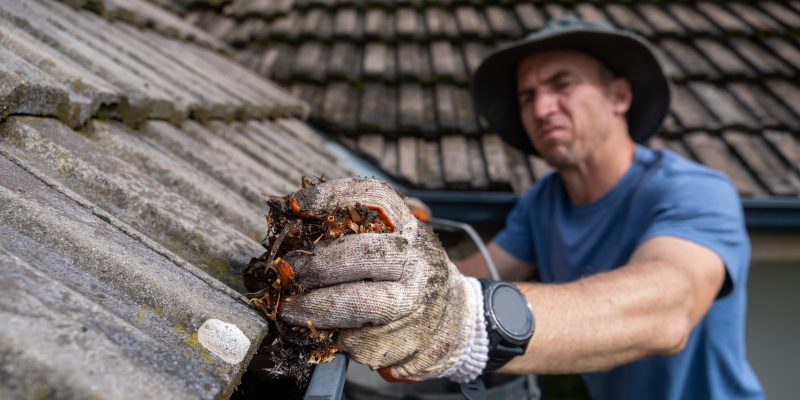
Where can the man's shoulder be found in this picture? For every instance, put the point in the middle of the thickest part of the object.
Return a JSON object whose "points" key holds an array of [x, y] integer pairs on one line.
{"points": [[674, 170], [678, 181]]}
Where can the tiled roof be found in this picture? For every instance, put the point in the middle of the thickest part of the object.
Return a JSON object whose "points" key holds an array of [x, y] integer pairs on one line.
{"points": [[392, 78], [133, 153]]}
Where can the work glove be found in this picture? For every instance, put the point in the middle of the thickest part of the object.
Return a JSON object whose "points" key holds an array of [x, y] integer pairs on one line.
{"points": [[400, 304]]}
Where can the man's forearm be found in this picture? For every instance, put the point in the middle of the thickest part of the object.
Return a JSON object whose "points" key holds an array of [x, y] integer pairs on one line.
{"points": [[606, 320]]}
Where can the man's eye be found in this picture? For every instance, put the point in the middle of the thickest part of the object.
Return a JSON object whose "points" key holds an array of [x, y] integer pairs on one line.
{"points": [[527, 99], [561, 86]]}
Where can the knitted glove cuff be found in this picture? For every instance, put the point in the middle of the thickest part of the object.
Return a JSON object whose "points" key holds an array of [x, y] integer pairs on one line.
{"points": [[472, 360]]}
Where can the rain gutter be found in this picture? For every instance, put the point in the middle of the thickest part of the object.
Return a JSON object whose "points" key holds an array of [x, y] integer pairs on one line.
{"points": [[488, 210]]}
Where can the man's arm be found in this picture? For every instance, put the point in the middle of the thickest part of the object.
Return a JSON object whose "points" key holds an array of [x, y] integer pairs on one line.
{"points": [[646, 307], [509, 267]]}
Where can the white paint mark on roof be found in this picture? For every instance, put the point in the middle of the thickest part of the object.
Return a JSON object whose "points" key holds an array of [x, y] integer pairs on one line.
{"points": [[224, 340]]}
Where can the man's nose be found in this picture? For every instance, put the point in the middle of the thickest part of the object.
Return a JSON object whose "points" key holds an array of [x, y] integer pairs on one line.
{"points": [[545, 105]]}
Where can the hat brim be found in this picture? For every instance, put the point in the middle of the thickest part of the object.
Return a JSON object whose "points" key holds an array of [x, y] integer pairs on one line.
{"points": [[627, 55]]}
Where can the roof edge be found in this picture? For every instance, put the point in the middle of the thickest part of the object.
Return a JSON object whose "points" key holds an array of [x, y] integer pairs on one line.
{"points": [[488, 210]]}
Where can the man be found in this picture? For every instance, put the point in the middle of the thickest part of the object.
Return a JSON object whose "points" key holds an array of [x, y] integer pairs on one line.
{"points": [[643, 255]]}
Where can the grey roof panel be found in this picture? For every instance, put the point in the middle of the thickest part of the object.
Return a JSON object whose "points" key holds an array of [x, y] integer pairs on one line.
{"points": [[90, 310]]}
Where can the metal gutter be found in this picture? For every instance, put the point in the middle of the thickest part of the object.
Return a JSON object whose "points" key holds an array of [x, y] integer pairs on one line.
{"points": [[488, 210], [772, 214]]}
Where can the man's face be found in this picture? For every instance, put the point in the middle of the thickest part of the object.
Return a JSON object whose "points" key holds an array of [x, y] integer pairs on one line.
{"points": [[568, 105]]}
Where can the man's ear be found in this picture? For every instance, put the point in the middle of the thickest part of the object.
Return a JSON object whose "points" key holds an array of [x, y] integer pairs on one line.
{"points": [[621, 94]]}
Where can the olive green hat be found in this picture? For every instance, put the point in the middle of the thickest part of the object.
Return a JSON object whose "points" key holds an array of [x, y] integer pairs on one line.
{"points": [[625, 53]]}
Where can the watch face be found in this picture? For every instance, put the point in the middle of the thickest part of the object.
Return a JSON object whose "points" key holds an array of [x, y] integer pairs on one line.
{"points": [[512, 313]]}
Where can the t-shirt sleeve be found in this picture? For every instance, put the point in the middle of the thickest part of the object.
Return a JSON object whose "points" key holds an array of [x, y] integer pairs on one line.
{"points": [[516, 237], [705, 208]]}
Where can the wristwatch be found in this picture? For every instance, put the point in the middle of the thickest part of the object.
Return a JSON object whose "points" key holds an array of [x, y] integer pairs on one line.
{"points": [[509, 322]]}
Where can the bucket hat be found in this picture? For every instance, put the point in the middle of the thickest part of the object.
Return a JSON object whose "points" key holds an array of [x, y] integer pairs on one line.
{"points": [[626, 54]]}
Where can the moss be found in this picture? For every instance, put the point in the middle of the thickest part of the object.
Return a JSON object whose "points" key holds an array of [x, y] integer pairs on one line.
{"points": [[194, 342], [43, 393], [141, 313], [217, 267], [65, 164]]}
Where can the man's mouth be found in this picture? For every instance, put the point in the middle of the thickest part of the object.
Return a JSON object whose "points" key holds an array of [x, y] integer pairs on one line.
{"points": [[550, 131]]}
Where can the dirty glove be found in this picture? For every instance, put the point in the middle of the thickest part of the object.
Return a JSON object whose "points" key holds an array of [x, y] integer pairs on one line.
{"points": [[401, 305]]}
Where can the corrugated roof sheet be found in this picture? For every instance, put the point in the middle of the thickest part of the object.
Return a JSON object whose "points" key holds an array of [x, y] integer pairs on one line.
{"points": [[398, 73], [133, 153]]}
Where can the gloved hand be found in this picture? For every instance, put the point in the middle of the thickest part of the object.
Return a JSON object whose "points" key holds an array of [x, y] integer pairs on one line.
{"points": [[401, 305]]}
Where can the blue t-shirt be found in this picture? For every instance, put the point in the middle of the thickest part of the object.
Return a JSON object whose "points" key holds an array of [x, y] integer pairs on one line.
{"points": [[661, 194]]}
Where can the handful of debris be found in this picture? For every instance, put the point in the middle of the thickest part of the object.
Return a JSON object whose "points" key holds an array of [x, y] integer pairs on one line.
{"points": [[294, 349]]}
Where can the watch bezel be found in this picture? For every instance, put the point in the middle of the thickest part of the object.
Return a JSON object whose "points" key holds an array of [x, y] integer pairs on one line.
{"points": [[519, 340]]}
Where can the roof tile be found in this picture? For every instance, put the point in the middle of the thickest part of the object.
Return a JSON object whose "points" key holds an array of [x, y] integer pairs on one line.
{"points": [[689, 112], [782, 13], [474, 52], [340, 62], [378, 24], [411, 108], [772, 173], [760, 59], [531, 18], [440, 24], [347, 24], [447, 61], [724, 58], [496, 160], [723, 18], [556, 10], [787, 145], [787, 92], [455, 161], [763, 106], [389, 161], [467, 123], [477, 166], [502, 22], [590, 12], [409, 24], [286, 27], [692, 19], [378, 61], [408, 159], [377, 111], [713, 152], [194, 233], [754, 17], [445, 108], [690, 60], [624, 17], [341, 105], [788, 52], [120, 309], [372, 144], [413, 62], [521, 177], [92, 90], [317, 24], [722, 105], [430, 164], [309, 62], [663, 23], [471, 23]]}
